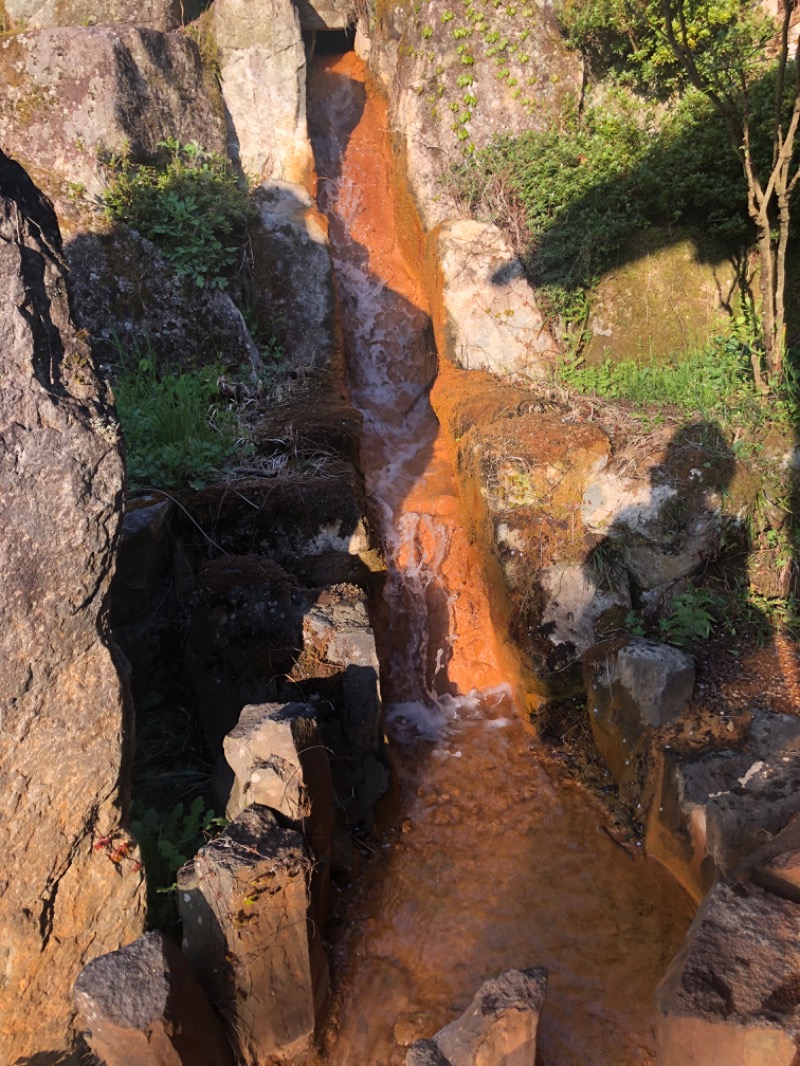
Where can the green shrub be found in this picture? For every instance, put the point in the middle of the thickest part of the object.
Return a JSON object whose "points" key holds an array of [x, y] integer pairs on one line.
{"points": [[173, 432], [192, 208], [169, 839], [592, 180]]}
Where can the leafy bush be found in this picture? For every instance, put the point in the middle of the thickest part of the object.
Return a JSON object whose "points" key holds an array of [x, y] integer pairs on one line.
{"points": [[168, 841], [173, 432], [192, 208], [590, 181]]}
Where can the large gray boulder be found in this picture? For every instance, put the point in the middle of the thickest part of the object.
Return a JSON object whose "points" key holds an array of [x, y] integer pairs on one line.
{"points": [[731, 996], [157, 14], [71, 97], [143, 1006], [263, 75], [492, 321], [293, 273], [428, 72], [66, 719]]}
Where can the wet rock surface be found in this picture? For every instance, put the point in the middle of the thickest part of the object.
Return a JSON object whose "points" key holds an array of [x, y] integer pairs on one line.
{"points": [[243, 901], [732, 995], [66, 716], [143, 1006]]}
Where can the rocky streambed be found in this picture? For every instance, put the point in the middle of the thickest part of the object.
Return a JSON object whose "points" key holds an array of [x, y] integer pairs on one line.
{"points": [[426, 539]]}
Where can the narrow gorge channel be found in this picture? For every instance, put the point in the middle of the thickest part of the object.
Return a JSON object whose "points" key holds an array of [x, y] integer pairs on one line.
{"points": [[491, 867]]}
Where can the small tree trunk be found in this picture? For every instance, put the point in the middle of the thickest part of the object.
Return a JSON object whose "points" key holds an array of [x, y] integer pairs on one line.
{"points": [[768, 281]]}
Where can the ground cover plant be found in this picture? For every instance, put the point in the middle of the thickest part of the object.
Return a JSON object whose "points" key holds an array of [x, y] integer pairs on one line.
{"points": [[192, 207], [176, 429]]}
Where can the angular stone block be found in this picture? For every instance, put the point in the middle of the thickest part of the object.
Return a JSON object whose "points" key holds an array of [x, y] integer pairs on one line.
{"points": [[631, 689], [280, 761], [244, 905], [731, 996], [143, 1006], [338, 638], [497, 1029]]}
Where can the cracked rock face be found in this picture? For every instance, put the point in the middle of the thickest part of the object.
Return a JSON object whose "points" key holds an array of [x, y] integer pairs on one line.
{"points": [[63, 704]]}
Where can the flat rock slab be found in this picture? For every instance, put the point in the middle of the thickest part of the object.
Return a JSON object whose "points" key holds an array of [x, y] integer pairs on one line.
{"points": [[497, 1029], [731, 997], [715, 809], [143, 1006]]}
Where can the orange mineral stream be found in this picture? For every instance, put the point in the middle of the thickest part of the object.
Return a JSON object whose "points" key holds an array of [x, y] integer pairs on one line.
{"points": [[490, 866]]}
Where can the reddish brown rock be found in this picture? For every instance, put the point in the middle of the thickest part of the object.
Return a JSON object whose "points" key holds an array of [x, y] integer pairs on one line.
{"points": [[731, 997], [497, 1029], [70, 888], [143, 1006], [244, 904], [279, 760]]}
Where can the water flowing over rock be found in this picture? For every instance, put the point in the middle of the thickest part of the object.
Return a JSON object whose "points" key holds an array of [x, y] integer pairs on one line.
{"points": [[731, 997], [66, 716], [243, 901], [497, 1029], [143, 1006], [263, 76]]}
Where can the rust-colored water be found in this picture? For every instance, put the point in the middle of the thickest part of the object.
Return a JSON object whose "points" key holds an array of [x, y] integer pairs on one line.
{"points": [[492, 867]]}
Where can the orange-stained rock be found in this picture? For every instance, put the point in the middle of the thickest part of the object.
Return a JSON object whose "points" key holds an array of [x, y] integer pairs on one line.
{"points": [[731, 996], [497, 1029], [71, 886]]}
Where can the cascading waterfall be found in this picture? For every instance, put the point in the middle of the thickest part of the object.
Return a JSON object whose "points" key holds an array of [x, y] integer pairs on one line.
{"points": [[492, 868]]}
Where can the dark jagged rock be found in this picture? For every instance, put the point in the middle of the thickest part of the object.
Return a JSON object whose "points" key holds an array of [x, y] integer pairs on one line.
{"points": [[65, 726], [143, 1006]]}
